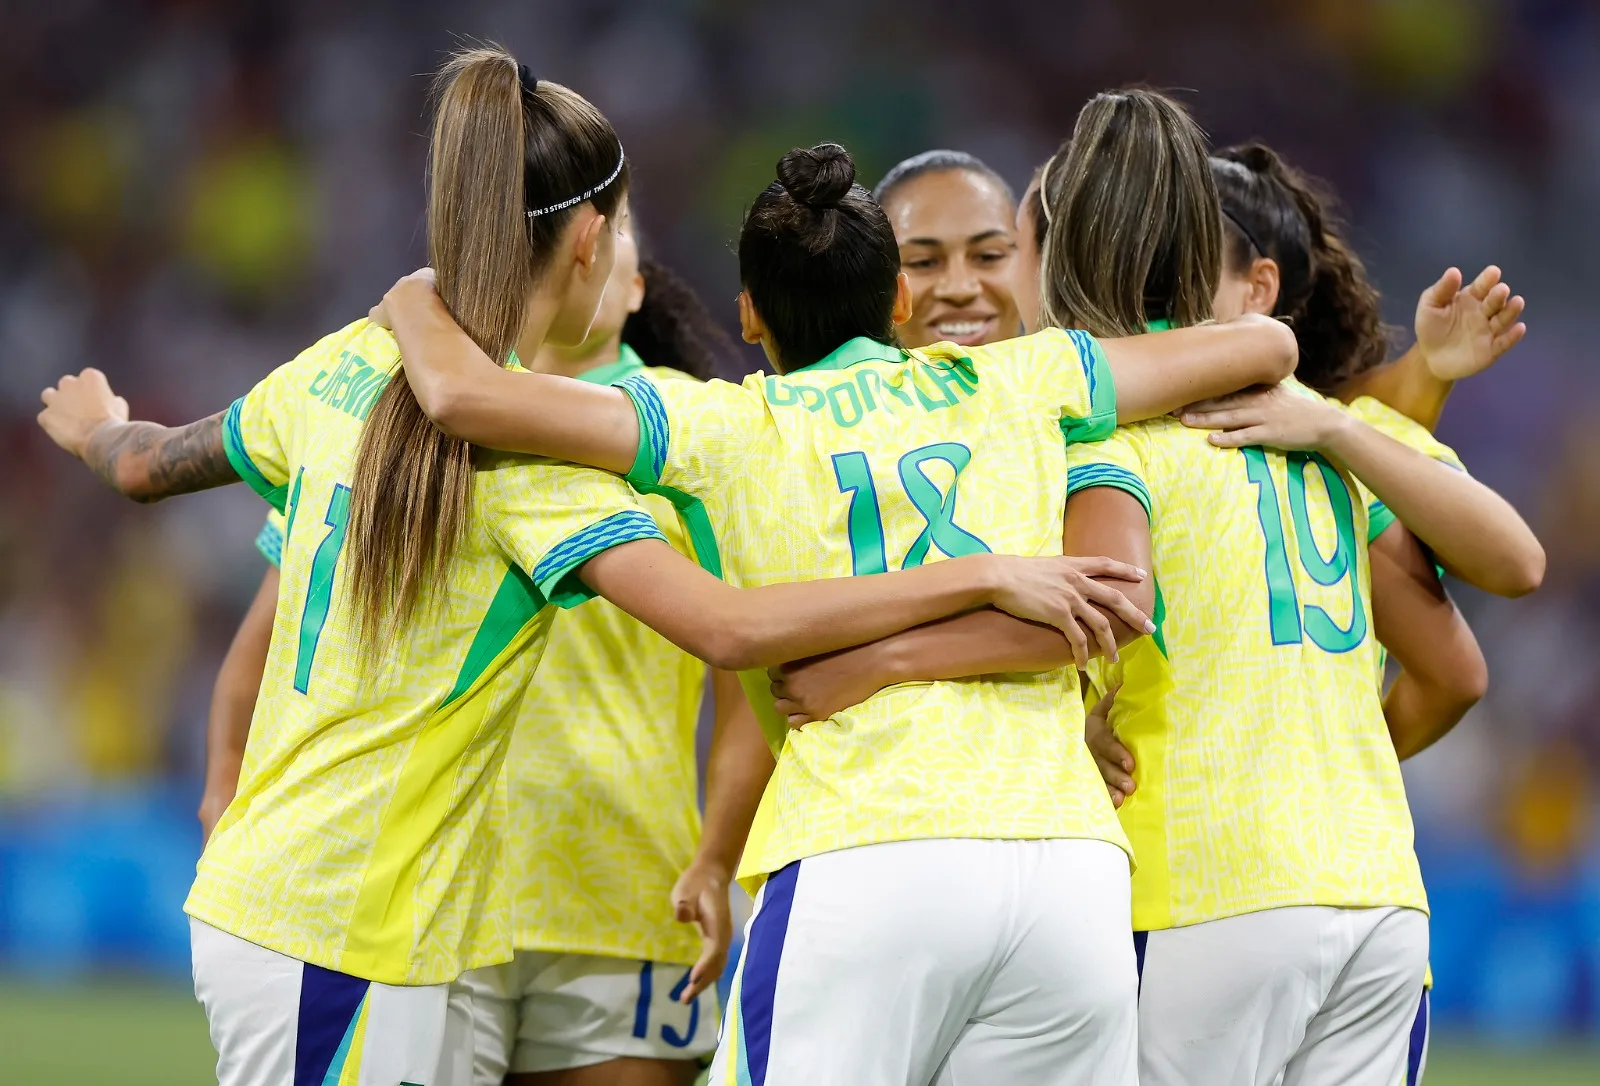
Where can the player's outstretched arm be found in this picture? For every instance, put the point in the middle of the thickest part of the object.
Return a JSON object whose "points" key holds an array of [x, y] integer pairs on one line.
{"points": [[1474, 532], [1461, 330], [737, 770], [1098, 520], [1443, 673], [233, 702], [140, 460], [470, 397], [744, 629], [1163, 371]]}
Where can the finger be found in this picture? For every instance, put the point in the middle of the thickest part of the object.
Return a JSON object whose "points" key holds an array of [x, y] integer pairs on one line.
{"points": [[1509, 339], [1079, 644], [1116, 797], [1485, 282], [1098, 565], [1113, 775], [1507, 316], [779, 688], [1219, 403], [1497, 299], [1100, 629], [683, 909], [1102, 708], [48, 396], [1223, 420], [1238, 439], [1113, 600], [1440, 293]]}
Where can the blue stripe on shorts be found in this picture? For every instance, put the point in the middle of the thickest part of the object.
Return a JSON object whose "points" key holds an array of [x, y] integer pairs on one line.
{"points": [[329, 1003], [1419, 1042], [758, 986]]}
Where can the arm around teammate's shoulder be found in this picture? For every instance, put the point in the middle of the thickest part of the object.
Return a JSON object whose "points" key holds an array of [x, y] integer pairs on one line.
{"points": [[468, 396], [1162, 371]]}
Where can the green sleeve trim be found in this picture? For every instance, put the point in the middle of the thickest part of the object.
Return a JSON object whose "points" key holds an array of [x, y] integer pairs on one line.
{"points": [[1086, 476], [270, 543], [516, 603], [233, 446], [696, 524], [1379, 517], [1101, 421], [654, 431], [550, 576]]}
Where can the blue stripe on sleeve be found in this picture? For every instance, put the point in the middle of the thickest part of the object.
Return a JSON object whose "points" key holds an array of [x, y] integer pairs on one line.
{"points": [[1085, 476], [578, 548], [655, 432]]}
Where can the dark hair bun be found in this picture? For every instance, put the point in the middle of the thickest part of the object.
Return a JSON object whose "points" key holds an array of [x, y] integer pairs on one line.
{"points": [[819, 177], [1255, 157]]}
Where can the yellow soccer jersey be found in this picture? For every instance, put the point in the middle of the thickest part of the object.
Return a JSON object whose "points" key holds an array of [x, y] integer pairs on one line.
{"points": [[363, 837], [1266, 773], [269, 541], [601, 779], [876, 459]]}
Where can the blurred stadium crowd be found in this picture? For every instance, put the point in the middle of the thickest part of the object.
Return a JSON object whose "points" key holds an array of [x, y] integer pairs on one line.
{"points": [[193, 190]]}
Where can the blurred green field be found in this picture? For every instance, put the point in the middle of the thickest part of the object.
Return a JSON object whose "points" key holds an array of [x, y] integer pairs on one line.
{"points": [[142, 1035]]}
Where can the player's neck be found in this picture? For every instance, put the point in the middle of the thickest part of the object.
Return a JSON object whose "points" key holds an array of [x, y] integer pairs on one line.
{"points": [[576, 361]]}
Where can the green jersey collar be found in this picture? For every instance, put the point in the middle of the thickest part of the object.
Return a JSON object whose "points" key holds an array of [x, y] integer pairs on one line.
{"points": [[860, 349], [1162, 325], [628, 362]]}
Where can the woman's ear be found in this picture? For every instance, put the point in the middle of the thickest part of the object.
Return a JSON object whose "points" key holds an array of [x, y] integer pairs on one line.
{"points": [[1264, 286], [589, 239], [751, 327], [902, 299], [635, 293]]}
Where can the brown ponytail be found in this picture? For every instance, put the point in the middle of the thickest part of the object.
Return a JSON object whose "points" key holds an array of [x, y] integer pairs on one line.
{"points": [[1133, 235], [499, 149], [1273, 210]]}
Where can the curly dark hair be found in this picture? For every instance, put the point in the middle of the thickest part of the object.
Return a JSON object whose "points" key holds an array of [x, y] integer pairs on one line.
{"points": [[673, 327], [1271, 209]]}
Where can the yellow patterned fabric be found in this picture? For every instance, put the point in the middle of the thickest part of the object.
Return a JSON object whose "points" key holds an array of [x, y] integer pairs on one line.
{"points": [[876, 459], [1266, 773], [601, 779], [364, 837]]}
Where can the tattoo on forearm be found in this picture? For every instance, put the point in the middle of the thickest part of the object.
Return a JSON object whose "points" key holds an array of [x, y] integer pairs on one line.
{"points": [[148, 462]]}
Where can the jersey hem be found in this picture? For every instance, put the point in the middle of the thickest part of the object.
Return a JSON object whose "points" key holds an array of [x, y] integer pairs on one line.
{"points": [[1289, 903], [623, 951]]}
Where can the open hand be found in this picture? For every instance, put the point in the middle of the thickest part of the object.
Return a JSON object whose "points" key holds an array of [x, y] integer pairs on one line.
{"points": [[1275, 417], [1464, 330], [75, 407], [1060, 591], [701, 898]]}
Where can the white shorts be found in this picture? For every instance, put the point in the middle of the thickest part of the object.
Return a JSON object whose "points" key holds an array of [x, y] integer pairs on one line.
{"points": [[956, 962], [276, 1020], [551, 1012], [1301, 996]]}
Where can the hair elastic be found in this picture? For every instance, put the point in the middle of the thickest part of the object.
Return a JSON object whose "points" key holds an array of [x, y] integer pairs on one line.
{"points": [[574, 201], [530, 83], [1044, 195]]}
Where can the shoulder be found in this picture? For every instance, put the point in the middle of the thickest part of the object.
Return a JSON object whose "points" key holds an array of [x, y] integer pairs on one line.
{"points": [[1402, 428], [661, 374]]}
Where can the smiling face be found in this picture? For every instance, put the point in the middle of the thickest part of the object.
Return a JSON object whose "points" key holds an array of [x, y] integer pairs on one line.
{"points": [[958, 247]]}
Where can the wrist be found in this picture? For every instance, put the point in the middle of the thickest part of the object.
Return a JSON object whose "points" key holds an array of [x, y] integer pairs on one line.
{"points": [[713, 860]]}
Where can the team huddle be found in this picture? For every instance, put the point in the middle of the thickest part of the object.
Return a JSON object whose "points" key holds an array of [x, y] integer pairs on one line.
{"points": [[1096, 781]]}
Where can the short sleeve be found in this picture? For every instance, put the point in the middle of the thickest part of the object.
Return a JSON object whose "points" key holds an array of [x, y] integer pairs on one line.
{"points": [[269, 541], [549, 519], [1118, 462], [1410, 433], [1069, 366], [255, 433], [692, 437]]}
